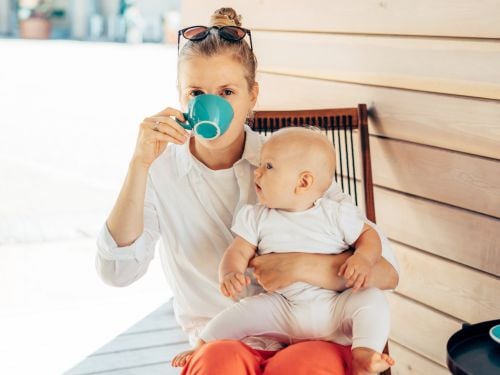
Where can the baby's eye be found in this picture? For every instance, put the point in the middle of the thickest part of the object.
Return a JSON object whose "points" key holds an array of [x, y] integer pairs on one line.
{"points": [[196, 93], [269, 166], [227, 92]]}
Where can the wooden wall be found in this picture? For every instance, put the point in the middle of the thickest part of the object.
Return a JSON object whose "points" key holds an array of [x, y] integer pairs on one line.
{"points": [[430, 73]]}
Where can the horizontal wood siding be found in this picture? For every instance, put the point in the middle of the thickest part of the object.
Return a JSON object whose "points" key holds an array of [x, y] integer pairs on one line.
{"points": [[448, 232], [468, 68], [394, 17], [409, 362], [462, 292], [450, 122], [421, 328]]}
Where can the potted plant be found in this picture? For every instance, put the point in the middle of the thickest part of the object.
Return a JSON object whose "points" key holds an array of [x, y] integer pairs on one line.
{"points": [[35, 18]]}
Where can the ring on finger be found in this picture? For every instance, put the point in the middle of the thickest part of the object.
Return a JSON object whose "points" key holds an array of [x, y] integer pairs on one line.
{"points": [[156, 125]]}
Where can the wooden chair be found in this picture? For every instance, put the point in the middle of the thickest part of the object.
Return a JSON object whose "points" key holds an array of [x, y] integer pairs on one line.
{"points": [[343, 126]]}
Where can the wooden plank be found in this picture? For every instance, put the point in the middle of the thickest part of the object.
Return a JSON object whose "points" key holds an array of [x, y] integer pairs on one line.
{"points": [[410, 363], [464, 293], [449, 232], [145, 348], [420, 328], [151, 369], [162, 318], [138, 360], [459, 67], [455, 123], [144, 340], [400, 17], [454, 178]]}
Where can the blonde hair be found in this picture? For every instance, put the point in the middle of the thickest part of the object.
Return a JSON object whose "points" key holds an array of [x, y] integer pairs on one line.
{"points": [[309, 149], [214, 45]]}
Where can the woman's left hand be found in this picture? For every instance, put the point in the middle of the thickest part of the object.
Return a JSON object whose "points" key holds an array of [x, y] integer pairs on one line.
{"points": [[276, 271]]}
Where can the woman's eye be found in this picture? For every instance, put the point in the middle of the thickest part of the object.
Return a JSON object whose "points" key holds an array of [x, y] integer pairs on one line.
{"points": [[227, 92], [269, 166], [195, 93]]}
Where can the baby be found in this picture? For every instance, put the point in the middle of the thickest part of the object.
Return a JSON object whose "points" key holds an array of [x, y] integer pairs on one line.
{"points": [[296, 169]]}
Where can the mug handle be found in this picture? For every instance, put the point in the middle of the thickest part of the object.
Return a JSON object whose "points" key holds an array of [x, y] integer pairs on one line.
{"points": [[185, 125]]}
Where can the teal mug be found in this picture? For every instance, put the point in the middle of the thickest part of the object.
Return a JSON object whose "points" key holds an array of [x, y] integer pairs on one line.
{"points": [[208, 116]]}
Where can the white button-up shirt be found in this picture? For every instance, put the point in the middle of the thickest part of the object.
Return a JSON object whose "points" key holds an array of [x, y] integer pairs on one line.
{"points": [[178, 209]]}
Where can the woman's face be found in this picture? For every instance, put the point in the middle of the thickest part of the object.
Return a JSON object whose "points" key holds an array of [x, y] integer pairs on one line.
{"points": [[218, 75]]}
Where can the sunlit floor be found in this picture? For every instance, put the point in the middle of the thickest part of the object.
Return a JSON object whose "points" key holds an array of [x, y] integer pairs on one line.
{"points": [[69, 116]]}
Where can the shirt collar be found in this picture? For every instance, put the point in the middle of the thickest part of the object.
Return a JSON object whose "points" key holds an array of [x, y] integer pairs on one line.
{"points": [[251, 152]]}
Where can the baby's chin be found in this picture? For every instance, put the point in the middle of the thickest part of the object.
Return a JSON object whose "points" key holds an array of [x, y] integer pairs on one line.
{"points": [[270, 205], [262, 201]]}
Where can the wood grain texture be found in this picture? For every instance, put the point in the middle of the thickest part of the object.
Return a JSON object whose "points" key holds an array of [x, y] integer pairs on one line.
{"points": [[457, 179], [462, 236], [136, 361], [410, 363], [145, 348], [468, 68], [455, 123], [464, 293], [400, 17], [420, 328]]}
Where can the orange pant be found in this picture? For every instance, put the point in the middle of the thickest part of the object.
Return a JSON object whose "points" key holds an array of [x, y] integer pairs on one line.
{"points": [[230, 357]]}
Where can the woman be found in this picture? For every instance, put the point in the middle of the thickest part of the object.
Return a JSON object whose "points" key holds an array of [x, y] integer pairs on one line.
{"points": [[187, 194]]}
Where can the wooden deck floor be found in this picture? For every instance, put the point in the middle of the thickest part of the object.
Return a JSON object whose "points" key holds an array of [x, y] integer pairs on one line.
{"points": [[145, 348]]}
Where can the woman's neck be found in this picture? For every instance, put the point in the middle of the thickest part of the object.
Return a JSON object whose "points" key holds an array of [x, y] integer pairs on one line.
{"points": [[223, 158]]}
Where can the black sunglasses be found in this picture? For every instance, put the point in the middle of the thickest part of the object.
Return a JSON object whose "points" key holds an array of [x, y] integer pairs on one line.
{"points": [[230, 33]]}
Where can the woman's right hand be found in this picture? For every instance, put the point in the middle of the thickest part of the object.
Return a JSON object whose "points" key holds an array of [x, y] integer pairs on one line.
{"points": [[151, 143]]}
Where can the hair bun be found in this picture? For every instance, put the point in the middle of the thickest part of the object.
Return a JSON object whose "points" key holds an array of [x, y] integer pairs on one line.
{"points": [[225, 17]]}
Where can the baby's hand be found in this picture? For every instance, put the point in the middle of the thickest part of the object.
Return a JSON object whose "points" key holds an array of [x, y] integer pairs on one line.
{"points": [[181, 359], [355, 270], [232, 284]]}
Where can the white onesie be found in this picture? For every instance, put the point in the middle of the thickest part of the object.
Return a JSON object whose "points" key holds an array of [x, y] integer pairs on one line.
{"points": [[302, 311]]}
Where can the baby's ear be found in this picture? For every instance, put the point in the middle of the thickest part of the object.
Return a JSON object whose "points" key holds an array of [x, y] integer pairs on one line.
{"points": [[305, 182]]}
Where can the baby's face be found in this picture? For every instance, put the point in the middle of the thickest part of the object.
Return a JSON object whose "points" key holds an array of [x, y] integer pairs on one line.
{"points": [[277, 176]]}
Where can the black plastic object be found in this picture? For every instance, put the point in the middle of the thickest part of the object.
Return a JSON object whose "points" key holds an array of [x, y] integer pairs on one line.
{"points": [[471, 351]]}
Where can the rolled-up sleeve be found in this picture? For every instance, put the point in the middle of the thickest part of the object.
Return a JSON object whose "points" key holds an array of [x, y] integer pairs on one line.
{"points": [[121, 266]]}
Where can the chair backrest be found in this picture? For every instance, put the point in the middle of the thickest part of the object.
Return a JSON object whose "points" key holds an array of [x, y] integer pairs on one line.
{"points": [[339, 124]]}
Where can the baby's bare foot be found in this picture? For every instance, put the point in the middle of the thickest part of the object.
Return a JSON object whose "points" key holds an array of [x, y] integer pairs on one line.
{"points": [[181, 359], [367, 361]]}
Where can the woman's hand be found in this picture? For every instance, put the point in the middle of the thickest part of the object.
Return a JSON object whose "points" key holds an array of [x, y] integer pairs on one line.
{"points": [[155, 133], [276, 271]]}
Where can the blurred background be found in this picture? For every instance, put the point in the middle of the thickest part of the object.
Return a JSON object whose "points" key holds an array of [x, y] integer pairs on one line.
{"points": [[130, 21], [76, 79]]}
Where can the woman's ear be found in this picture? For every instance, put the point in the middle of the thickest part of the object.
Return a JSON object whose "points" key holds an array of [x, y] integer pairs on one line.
{"points": [[254, 94], [305, 182]]}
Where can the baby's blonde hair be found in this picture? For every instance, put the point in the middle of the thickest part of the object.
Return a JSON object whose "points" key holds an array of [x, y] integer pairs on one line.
{"points": [[310, 149]]}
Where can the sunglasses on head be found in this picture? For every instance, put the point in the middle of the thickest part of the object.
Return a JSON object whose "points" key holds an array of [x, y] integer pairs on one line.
{"points": [[230, 33]]}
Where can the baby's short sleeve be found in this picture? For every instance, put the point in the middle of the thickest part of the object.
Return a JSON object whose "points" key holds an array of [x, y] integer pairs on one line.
{"points": [[350, 221], [245, 224]]}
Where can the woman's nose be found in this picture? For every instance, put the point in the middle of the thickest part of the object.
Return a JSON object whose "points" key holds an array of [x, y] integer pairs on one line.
{"points": [[257, 172]]}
